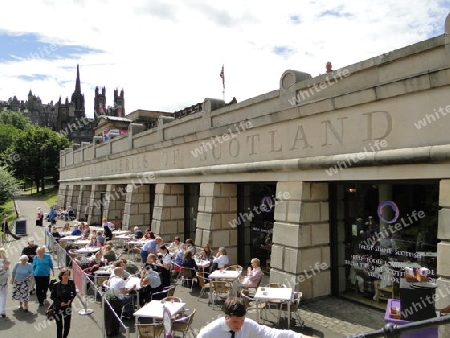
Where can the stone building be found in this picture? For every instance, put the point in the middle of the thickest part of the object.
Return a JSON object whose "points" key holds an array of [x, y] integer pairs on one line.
{"points": [[326, 179]]}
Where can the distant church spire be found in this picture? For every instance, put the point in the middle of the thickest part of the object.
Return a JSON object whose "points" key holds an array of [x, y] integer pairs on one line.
{"points": [[78, 84]]}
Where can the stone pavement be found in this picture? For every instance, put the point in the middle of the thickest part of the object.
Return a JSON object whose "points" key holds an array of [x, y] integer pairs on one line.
{"points": [[328, 317]]}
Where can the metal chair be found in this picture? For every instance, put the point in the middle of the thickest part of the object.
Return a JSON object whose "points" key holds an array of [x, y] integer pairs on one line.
{"points": [[187, 275], [149, 330], [295, 305], [172, 298], [203, 282], [184, 324], [220, 290], [250, 303], [170, 290], [234, 268]]}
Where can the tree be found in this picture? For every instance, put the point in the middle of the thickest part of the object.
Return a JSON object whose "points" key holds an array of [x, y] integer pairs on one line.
{"points": [[14, 118], [9, 187], [38, 151], [7, 132]]}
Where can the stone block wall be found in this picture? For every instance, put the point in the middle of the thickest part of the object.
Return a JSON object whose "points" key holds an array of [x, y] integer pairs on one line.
{"points": [[217, 207], [168, 213], [301, 237], [83, 201], [137, 207]]}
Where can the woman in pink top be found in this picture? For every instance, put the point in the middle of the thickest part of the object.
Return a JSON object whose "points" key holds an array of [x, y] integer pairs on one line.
{"points": [[254, 274]]}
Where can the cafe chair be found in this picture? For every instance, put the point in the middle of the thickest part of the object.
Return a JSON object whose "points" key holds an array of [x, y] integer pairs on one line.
{"points": [[183, 324], [170, 290], [234, 268], [149, 330], [203, 282], [188, 276], [277, 303], [250, 303], [170, 298], [220, 290], [295, 305]]}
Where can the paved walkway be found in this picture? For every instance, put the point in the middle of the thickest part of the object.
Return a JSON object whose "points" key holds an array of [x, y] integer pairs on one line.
{"points": [[329, 317]]}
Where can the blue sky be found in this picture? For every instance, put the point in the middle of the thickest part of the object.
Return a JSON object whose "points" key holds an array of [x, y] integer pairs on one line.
{"points": [[167, 56]]}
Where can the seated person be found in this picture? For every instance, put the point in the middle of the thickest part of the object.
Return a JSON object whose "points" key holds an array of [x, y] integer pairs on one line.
{"points": [[56, 235], [76, 231], [178, 260], [191, 246], [100, 238], [138, 234], [66, 228], [220, 260], [93, 240], [151, 263], [149, 234], [188, 261], [95, 262], [175, 246], [254, 274], [150, 283], [118, 285], [206, 254], [121, 263], [108, 254], [85, 230]]}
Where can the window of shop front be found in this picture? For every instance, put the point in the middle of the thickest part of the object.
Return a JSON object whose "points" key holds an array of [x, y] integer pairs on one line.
{"points": [[379, 230], [255, 219]]}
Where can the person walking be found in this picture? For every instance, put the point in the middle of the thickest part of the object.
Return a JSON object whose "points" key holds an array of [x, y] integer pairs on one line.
{"points": [[63, 294], [30, 251], [4, 275], [21, 274], [42, 266], [107, 228]]}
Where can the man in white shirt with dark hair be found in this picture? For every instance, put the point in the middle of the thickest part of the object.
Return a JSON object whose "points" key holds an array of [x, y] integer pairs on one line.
{"points": [[235, 325]]}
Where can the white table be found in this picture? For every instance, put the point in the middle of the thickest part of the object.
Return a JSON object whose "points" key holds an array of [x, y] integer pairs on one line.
{"points": [[275, 294], [154, 309], [70, 238], [227, 274], [120, 232], [202, 263], [86, 251], [81, 242]]}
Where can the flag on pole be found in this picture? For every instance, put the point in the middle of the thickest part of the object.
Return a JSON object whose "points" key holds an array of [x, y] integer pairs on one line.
{"points": [[222, 75]]}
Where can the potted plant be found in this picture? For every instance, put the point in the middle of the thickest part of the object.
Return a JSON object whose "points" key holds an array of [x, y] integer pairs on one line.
{"points": [[112, 325]]}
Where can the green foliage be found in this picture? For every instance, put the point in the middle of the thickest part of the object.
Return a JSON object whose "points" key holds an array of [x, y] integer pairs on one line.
{"points": [[9, 187], [16, 119], [7, 134], [38, 149]]}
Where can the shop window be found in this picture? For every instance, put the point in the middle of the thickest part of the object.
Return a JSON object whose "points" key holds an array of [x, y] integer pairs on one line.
{"points": [[384, 228]]}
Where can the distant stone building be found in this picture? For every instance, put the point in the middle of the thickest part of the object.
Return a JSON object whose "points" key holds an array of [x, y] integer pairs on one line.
{"points": [[117, 110]]}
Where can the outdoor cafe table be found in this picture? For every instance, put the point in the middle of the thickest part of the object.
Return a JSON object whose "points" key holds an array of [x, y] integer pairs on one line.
{"points": [[120, 232], [81, 242], [275, 294], [226, 274], [154, 309], [87, 251], [70, 238], [202, 263]]}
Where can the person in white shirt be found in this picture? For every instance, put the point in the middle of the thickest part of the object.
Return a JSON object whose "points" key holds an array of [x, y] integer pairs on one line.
{"points": [[221, 258], [235, 325], [118, 285], [175, 246]]}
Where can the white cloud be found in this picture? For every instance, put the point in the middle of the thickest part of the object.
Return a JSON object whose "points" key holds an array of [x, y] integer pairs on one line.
{"points": [[168, 55]]}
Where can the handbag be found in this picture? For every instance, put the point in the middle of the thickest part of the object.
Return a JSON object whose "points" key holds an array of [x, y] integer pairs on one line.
{"points": [[50, 312]]}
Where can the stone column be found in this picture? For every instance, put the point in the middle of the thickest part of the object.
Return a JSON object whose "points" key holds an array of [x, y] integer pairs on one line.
{"points": [[62, 195], [217, 207], [168, 213], [137, 207], [72, 196], [83, 202], [443, 252], [95, 204], [300, 250], [115, 203]]}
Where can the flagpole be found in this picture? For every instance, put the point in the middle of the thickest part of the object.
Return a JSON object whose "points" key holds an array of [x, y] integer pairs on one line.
{"points": [[222, 75]]}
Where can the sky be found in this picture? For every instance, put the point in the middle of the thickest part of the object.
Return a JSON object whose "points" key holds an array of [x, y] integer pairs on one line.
{"points": [[167, 55]]}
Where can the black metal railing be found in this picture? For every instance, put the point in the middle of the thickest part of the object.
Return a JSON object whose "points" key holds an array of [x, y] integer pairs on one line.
{"points": [[391, 330]]}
